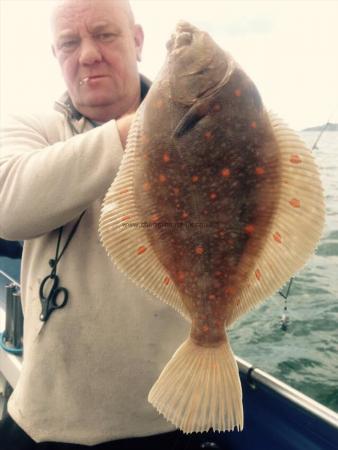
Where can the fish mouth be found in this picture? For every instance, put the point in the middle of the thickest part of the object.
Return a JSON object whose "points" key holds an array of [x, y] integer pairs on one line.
{"points": [[182, 37]]}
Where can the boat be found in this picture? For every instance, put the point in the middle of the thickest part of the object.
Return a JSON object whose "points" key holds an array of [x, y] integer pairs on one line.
{"points": [[277, 416]]}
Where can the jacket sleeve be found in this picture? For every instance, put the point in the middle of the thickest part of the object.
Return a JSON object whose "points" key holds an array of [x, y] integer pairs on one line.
{"points": [[43, 185]]}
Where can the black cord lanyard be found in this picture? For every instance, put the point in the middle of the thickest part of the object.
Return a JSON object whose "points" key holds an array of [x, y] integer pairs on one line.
{"points": [[54, 262], [50, 298]]}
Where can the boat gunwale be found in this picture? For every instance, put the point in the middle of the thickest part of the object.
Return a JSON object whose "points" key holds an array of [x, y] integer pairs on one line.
{"points": [[255, 375]]}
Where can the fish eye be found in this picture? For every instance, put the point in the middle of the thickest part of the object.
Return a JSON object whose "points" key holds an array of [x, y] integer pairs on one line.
{"points": [[184, 38], [202, 71]]}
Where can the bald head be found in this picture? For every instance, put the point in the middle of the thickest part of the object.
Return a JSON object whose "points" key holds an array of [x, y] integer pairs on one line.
{"points": [[65, 5]]}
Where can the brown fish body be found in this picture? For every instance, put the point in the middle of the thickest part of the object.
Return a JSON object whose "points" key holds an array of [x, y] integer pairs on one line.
{"points": [[216, 204], [206, 190]]}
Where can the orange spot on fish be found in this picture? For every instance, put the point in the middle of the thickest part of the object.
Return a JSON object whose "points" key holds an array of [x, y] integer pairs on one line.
{"points": [[208, 135], [221, 233], [162, 178], [258, 274], [295, 159], [146, 186], [180, 276], [205, 328], [225, 172], [230, 290], [216, 107], [211, 297], [125, 218], [253, 124], [295, 203], [166, 281], [176, 191], [184, 215], [166, 157], [218, 323], [194, 178], [218, 273], [199, 250], [237, 92], [213, 195], [277, 237], [249, 229], [155, 218], [141, 250], [260, 170]]}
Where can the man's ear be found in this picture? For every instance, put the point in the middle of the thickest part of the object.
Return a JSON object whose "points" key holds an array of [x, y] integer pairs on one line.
{"points": [[139, 38]]}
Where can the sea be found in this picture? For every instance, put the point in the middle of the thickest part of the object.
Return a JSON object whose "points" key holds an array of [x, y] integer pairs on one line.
{"points": [[303, 354]]}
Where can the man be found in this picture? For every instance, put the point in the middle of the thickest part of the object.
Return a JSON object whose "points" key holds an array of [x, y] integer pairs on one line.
{"points": [[89, 365]]}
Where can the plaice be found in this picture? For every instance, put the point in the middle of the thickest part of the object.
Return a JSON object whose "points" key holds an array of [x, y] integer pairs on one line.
{"points": [[216, 204]]}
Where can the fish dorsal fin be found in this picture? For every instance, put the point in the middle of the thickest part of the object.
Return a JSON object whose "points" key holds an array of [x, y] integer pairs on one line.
{"points": [[123, 241], [296, 226]]}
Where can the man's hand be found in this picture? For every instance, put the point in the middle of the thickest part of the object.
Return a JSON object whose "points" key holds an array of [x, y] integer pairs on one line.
{"points": [[123, 125]]}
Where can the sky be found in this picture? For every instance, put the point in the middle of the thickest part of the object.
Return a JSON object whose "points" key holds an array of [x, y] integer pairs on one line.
{"points": [[287, 47]]}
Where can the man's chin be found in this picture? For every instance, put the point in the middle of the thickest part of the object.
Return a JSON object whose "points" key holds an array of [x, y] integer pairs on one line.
{"points": [[96, 101]]}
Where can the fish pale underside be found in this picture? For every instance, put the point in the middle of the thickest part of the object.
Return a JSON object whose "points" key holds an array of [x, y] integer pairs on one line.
{"points": [[216, 204]]}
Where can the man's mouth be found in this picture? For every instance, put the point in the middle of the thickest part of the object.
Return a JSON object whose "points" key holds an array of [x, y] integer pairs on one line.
{"points": [[91, 79]]}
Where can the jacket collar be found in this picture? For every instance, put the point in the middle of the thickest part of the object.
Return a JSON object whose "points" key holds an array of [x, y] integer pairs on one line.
{"points": [[76, 120]]}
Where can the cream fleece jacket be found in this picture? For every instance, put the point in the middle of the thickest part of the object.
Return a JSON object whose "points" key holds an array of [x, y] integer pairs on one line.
{"points": [[86, 375]]}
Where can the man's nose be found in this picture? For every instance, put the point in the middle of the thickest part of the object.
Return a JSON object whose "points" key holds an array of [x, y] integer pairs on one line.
{"points": [[89, 52]]}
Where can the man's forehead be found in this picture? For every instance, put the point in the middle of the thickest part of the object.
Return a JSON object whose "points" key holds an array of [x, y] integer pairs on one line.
{"points": [[69, 13]]}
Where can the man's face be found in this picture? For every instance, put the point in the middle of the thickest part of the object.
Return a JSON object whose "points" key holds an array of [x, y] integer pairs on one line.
{"points": [[97, 47]]}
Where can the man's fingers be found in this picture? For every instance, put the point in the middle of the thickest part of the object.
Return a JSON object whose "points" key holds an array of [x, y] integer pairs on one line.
{"points": [[123, 125]]}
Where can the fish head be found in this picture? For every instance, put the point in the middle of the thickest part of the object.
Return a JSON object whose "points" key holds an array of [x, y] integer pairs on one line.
{"points": [[196, 65]]}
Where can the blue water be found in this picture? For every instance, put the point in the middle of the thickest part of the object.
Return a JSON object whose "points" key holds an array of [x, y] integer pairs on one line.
{"points": [[11, 267], [305, 355]]}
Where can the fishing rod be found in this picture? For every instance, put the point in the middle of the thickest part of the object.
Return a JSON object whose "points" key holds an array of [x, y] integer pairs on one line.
{"points": [[323, 129], [314, 147]]}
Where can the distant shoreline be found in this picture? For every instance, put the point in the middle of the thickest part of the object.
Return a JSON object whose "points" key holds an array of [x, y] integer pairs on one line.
{"points": [[329, 127]]}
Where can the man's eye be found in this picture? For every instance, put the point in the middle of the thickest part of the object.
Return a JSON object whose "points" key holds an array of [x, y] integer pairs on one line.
{"points": [[105, 37], [68, 45]]}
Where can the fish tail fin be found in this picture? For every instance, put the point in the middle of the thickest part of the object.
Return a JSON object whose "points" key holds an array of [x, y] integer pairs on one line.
{"points": [[200, 389]]}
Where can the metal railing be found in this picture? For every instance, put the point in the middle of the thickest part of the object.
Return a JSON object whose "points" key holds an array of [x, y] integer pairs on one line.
{"points": [[11, 338]]}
